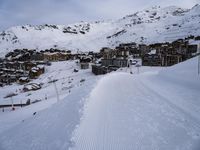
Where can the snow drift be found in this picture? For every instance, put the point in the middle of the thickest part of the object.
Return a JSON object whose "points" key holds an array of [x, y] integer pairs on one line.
{"points": [[185, 73]]}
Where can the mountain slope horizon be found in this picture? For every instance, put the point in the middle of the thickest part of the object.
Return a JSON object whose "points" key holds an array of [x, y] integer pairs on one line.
{"points": [[151, 25]]}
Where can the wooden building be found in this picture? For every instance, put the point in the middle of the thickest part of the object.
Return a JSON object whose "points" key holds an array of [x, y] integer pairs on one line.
{"points": [[36, 71], [56, 56]]}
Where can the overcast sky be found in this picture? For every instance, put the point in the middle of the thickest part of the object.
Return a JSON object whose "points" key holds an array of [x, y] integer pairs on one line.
{"points": [[20, 12]]}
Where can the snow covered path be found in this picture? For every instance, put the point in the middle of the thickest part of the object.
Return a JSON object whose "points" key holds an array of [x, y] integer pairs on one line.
{"points": [[155, 110], [49, 129], [123, 112]]}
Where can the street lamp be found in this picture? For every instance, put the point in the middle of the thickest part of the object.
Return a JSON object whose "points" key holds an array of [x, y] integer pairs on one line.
{"points": [[56, 89]]}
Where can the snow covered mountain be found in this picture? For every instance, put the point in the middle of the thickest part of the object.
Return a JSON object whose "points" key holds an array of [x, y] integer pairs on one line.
{"points": [[152, 25]]}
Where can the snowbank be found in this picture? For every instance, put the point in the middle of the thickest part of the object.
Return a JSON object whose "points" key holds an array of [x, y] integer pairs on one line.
{"points": [[185, 73], [124, 113]]}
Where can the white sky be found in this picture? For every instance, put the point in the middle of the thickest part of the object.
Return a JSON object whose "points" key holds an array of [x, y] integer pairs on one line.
{"points": [[18, 12]]}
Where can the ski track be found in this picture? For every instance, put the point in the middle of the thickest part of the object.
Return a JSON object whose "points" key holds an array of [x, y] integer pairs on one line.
{"points": [[123, 112], [130, 122], [50, 129]]}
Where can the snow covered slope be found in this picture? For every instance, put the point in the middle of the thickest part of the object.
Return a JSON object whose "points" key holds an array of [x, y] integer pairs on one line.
{"points": [[144, 111], [52, 125], [148, 26]]}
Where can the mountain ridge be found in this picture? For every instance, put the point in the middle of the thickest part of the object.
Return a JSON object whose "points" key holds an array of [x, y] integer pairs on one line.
{"points": [[151, 25]]}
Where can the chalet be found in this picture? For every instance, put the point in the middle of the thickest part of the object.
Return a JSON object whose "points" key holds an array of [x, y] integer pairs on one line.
{"points": [[20, 72], [56, 56], [85, 59], [19, 55], [151, 59], [8, 78], [122, 53], [197, 38], [2, 65], [51, 56], [127, 46], [11, 65], [180, 46], [29, 65], [31, 87], [12, 78], [63, 56], [112, 59], [16, 65], [3, 78], [23, 57], [99, 70], [108, 53], [193, 48], [143, 49], [1, 60], [36, 72], [23, 80], [136, 53], [117, 62], [126, 49], [169, 60], [37, 56], [104, 52], [84, 65]]}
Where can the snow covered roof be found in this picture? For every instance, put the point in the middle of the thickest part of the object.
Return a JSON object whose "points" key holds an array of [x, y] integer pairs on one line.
{"points": [[23, 78], [35, 69], [40, 66], [152, 52], [194, 42]]}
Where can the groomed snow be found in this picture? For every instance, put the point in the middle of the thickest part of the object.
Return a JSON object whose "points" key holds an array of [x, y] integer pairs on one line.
{"points": [[146, 112], [51, 126], [155, 109]]}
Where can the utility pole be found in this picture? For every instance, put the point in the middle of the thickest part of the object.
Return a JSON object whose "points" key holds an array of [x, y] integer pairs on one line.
{"points": [[11, 97], [56, 89], [13, 108], [130, 66], [199, 61]]}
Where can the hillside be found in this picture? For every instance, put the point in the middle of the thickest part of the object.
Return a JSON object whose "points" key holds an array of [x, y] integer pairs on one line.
{"points": [[148, 26], [120, 111], [142, 114]]}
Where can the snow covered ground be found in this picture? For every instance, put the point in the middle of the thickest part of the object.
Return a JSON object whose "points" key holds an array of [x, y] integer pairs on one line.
{"points": [[68, 80], [146, 111], [155, 109]]}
